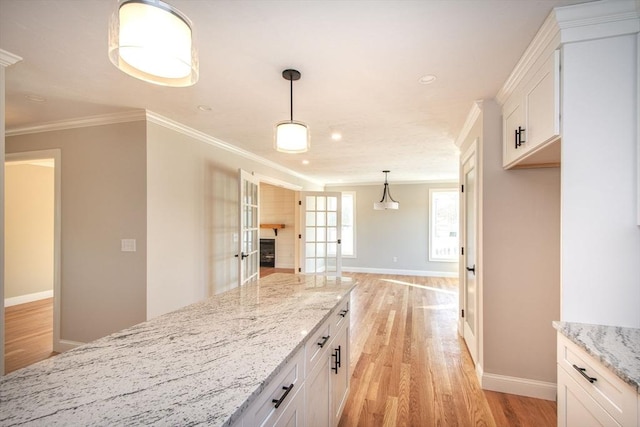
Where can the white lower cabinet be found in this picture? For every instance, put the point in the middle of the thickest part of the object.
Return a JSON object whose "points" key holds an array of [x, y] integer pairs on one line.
{"points": [[312, 389], [589, 394]]}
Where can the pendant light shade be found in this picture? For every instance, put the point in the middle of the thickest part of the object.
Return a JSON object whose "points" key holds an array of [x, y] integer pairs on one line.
{"points": [[387, 201], [291, 136], [152, 41]]}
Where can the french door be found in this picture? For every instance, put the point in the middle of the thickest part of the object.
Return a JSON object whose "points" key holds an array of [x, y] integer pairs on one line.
{"points": [[321, 222], [470, 288], [249, 243]]}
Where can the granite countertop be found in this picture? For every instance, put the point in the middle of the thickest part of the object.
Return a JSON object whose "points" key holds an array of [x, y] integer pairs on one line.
{"points": [[202, 364], [615, 347]]}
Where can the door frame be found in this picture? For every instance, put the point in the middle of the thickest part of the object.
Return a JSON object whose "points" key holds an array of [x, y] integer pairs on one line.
{"points": [[56, 155], [476, 351]]}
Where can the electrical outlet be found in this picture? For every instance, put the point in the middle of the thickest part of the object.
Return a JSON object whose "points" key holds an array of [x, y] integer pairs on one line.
{"points": [[395, 259], [128, 245]]}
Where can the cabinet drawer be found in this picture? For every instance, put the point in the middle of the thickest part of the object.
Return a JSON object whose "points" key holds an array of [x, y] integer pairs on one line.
{"points": [[340, 316], [262, 412], [616, 397], [317, 345]]}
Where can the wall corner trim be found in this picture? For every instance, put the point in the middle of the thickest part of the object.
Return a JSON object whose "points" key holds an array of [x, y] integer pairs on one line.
{"points": [[520, 386]]}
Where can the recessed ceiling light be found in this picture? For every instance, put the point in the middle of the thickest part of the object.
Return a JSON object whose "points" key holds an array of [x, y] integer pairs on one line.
{"points": [[336, 136], [305, 162], [204, 108], [427, 79], [36, 98]]}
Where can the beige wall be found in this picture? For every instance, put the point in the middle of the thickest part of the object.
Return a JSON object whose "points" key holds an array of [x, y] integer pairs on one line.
{"points": [[103, 201], [192, 217], [518, 260], [404, 234], [277, 206], [29, 210]]}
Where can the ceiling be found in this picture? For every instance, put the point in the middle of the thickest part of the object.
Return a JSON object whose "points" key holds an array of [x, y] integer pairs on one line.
{"points": [[360, 63]]}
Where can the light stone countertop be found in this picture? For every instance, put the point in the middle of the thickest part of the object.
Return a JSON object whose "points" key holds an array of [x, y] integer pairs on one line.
{"points": [[615, 347], [202, 364]]}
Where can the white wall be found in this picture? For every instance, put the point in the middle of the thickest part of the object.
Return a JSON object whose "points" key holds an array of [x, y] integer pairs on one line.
{"points": [[277, 206], [103, 201], [29, 213], [518, 264], [600, 235], [404, 234], [192, 216]]}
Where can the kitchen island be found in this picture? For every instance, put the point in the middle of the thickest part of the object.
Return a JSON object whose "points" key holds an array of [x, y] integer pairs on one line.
{"points": [[203, 364]]}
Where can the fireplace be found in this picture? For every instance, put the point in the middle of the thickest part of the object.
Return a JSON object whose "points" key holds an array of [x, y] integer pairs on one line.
{"points": [[267, 252]]}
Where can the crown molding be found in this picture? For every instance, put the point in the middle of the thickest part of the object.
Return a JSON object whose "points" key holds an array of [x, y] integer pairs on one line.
{"points": [[473, 115], [599, 19], [103, 119], [8, 58], [544, 42], [208, 139]]}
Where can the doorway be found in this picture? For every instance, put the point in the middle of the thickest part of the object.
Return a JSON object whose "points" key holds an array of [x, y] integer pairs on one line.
{"points": [[32, 257]]}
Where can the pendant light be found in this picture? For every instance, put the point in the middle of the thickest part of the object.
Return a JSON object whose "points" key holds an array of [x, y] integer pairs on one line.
{"points": [[152, 41], [387, 201], [291, 136]]}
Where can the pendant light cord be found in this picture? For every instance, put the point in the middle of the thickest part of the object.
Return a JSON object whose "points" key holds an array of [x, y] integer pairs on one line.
{"points": [[291, 99]]}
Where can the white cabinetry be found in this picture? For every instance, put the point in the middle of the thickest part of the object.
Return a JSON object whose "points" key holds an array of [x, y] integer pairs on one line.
{"points": [[531, 117], [328, 379], [589, 394], [312, 388]]}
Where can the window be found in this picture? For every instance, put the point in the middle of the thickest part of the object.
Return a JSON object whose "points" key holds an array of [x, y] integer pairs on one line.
{"points": [[348, 224], [443, 224]]}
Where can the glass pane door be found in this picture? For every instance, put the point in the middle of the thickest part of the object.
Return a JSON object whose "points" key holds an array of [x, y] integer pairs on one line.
{"points": [[321, 226], [249, 247]]}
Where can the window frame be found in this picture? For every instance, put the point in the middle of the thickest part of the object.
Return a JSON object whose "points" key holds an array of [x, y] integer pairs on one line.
{"points": [[432, 224], [353, 225]]}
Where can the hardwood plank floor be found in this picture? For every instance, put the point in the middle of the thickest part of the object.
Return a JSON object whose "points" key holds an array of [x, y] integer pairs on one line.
{"points": [[410, 367], [28, 334]]}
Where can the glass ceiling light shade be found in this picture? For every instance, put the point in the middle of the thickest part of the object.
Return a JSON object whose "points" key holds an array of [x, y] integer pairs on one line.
{"points": [[387, 201], [152, 41], [291, 136]]}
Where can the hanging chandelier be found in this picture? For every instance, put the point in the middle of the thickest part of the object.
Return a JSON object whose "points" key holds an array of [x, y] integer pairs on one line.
{"points": [[387, 201], [291, 136], [152, 41]]}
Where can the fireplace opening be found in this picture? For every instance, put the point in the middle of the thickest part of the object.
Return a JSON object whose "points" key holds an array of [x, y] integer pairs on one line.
{"points": [[267, 252]]}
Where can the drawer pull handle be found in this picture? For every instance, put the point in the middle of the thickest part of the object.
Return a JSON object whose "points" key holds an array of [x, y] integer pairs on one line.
{"points": [[337, 356], [343, 312], [587, 377], [278, 402], [324, 341]]}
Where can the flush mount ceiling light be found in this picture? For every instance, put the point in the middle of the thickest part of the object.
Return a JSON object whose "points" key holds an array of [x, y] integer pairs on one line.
{"points": [[387, 201], [291, 136], [152, 41]]}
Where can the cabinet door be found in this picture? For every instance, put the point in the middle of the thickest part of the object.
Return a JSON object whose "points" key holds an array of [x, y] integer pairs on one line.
{"points": [[339, 373], [542, 104], [318, 408], [576, 408], [512, 121]]}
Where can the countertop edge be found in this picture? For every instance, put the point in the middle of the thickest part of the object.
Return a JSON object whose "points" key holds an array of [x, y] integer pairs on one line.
{"points": [[565, 329]]}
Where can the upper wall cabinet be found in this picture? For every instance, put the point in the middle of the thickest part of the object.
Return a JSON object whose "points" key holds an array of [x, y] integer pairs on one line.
{"points": [[531, 118]]}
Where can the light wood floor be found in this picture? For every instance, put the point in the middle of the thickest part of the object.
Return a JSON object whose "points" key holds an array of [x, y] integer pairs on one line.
{"points": [[410, 368], [28, 334]]}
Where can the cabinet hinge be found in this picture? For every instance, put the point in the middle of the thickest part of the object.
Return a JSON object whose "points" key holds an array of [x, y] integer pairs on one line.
{"points": [[463, 312], [462, 250], [299, 270], [462, 188], [299, 236], [299, 202]]}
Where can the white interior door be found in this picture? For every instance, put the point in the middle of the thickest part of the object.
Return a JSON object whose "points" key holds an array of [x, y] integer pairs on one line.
{"points": [[470, 291], [321, 222], [249, 243]]}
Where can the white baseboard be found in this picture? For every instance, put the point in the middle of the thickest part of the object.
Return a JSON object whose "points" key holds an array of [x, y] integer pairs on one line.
{"points": [[421, 273], [23, 299], [65, 345], [285, 266], [519, 386]]}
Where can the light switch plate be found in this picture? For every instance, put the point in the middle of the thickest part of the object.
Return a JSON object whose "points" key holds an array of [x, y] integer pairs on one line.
{"points": [[128, 245]]}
